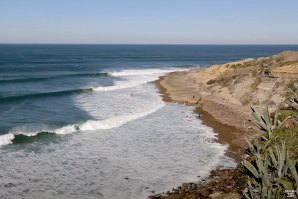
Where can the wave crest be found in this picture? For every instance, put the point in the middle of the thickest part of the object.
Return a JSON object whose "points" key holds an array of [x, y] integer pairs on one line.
{"points": [[39, 95], [89, 125], [134, 77], [38, 79]]}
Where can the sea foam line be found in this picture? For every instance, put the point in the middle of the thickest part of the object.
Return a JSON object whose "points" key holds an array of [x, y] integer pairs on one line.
{"points": [[109, 123], [133, 77], [89, 125]]}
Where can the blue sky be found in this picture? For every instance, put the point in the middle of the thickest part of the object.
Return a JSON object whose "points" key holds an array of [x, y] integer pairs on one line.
{"points": [[149, 21]]}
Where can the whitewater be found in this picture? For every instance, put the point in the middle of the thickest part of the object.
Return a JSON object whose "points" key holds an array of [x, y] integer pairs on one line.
{"points": [[87, 121], [130, 78], [134, 146]]}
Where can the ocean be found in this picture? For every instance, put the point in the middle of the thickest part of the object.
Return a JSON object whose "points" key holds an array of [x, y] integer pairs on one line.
{"points": [[87, 121]]}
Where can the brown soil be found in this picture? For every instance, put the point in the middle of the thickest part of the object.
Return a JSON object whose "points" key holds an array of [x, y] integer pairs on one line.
{"points": [[225, 183]]}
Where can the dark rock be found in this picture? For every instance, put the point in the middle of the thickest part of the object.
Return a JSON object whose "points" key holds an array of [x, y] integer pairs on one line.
{"points": [[10, 185]]}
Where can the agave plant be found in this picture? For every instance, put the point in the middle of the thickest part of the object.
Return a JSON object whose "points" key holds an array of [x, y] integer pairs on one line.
{"points": [[271, 173], [264, 121], [294, 97]]}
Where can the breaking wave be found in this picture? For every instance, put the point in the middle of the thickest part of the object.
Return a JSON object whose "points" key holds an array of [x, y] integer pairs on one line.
{"points": [[134, 77], [128, 78], [38, 79], [47, 94], [19, 135]]}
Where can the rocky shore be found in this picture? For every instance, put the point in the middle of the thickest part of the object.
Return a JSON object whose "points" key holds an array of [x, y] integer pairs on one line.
{"points": [[222, 95]]}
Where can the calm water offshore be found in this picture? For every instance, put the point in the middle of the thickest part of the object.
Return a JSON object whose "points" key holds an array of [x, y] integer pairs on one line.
{"points": [[86, 121]]}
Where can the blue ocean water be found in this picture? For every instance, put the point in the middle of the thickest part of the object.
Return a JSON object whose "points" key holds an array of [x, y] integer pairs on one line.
{"points": [[86, 121], [38, 81]]}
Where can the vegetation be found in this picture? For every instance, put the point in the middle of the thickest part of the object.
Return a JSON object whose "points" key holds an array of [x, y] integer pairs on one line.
{"points": [[294, 98], [290, 136], [264, 121], [272, 164], [284, 114], [271, 171]]}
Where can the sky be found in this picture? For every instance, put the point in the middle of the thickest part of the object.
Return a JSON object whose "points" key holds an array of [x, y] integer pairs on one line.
{"points": [[149, 21]]}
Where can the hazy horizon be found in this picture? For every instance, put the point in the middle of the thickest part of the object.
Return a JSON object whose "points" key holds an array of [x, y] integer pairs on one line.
{"points": [[161, 44], [156, 22]]}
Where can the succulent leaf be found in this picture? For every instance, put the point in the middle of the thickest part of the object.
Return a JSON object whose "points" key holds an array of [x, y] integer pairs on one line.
{"points": [[292, 167], [250, 145], [287, 184], [251, 168]]}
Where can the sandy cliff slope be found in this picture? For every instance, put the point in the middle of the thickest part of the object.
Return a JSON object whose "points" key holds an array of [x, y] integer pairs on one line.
{"points": [[223, 92]]}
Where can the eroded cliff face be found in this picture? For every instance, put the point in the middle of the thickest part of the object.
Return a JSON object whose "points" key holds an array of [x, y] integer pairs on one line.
{"points": [[257, 81], [223, 94]]}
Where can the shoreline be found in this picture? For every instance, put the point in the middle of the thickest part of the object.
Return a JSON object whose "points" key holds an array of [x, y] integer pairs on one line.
{"points": [[221, 95], [224, 133], [213, 185]]}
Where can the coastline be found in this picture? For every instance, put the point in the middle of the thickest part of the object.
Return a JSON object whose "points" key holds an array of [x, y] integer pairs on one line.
{"points": [[221, 95], [205, 110], [221, 182]]}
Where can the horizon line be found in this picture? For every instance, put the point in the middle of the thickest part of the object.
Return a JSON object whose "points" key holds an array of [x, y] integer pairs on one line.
{"points": [[186, 44]]}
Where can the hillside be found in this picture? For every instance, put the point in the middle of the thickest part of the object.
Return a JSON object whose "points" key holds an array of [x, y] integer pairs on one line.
{"points": [[223, 95]]}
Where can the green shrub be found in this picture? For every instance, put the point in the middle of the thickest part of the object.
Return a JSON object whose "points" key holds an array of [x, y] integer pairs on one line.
{"points": [[290, 136]]}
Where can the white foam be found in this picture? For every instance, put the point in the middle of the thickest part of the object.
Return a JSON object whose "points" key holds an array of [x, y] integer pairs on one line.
{"points": [[127, 83], [109, 123], [89, 125], [150, 71], [29, 129], [133, 78], [6, 139], [155, 153]]}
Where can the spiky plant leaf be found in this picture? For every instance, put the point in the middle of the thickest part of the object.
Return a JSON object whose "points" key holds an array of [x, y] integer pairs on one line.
{"points": [[250, 190], [247, 196], [286, 183], [295, 96], [259, 120], [268, 143], [281, 158], [255, 183], [264, 138], [284, 170], [250, 145], [292, 167], [272, 156], [295, 84], [251, 168], [266, 118], [264, 190], [269, 193], [275, 123]]}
